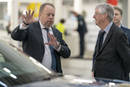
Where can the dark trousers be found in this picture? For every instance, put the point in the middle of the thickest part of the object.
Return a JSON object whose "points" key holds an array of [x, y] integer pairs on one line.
{"points": [[82, 44], [127, 76]]}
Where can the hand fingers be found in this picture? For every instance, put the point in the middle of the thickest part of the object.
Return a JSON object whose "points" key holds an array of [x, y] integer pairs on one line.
{"points": [[49, 43], [26, 13], [52, 37], [32, 13], [29, 13], [52, 40], [46, 43], [28, 18]]}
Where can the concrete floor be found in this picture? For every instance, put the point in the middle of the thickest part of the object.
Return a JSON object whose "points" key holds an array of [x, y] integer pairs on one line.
{"points": [[73, 42], [78, 67]]}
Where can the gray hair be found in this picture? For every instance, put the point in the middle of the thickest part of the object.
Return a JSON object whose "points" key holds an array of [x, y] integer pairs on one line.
{"points": [[106, 8]]}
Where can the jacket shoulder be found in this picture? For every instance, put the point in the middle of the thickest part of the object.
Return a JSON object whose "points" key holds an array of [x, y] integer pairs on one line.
{"points": [[56, 30], [117, 29]]}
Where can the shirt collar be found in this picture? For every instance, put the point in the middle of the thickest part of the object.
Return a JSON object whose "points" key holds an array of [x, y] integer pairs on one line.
{"points": [[108, 27], [42, 26], [120, 25]]}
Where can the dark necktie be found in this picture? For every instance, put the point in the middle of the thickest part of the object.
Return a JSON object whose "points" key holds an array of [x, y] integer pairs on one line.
{"points": [[53, 65], [100, 39], [99, 45]]}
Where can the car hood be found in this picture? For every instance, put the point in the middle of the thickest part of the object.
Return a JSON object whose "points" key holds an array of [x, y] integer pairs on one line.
{"points": [[65, 81], [74, 81]]}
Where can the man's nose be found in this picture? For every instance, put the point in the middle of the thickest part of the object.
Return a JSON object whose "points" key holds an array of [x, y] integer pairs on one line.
{"points": [[51, 16]]}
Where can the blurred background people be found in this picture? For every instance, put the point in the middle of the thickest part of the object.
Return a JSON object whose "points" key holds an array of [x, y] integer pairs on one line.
{"points": [[117, 20], [82, 30], [8, 28], [60, 26]]}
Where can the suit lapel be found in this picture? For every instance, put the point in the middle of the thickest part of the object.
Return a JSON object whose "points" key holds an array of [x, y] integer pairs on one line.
{"points": [[96, 48], [39, 32], [54, 32], [106, 40]]}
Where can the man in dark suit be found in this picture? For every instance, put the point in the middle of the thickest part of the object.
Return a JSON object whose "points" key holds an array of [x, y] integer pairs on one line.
{"points": [[82, 30], [40, 40], [117, 20], [112, 53]]}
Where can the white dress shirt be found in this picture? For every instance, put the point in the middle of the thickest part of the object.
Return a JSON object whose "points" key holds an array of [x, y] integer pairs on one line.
{"points": [[47, 58]]}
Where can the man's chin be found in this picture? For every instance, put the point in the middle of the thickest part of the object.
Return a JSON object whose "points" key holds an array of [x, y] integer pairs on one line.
{"points": [[49, 25]]}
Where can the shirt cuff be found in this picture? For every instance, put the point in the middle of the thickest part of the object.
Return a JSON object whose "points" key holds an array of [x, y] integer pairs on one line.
{"points": [[23, 26], [58, 48]]}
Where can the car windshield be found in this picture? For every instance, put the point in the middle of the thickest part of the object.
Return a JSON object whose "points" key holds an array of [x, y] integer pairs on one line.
{"points": [[17, 68]]}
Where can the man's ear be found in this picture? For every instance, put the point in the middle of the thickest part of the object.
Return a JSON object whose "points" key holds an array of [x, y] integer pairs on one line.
{"points": [[105, 15], [39, 14]]}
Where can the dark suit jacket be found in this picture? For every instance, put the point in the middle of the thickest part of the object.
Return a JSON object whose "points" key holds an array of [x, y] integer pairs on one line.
{"points": [[127, 32], [33, 43], [113, 59], [82, 27]]}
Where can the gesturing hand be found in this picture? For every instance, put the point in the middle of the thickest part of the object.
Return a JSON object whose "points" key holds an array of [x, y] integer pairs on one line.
{"points": [[28, 18], [53, 41]]}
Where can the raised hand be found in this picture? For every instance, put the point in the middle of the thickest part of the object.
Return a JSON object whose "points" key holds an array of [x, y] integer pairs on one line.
{"points": [[28, 18]]}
